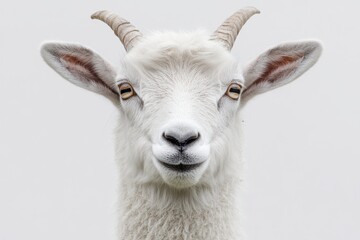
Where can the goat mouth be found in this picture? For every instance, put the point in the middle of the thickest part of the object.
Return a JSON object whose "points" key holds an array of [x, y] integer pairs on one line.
{"points": [[181, 167]]}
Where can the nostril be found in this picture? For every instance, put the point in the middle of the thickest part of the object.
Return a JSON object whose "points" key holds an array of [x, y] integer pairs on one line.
{"points": [[191, 139], [180, 140], [171, 139]]}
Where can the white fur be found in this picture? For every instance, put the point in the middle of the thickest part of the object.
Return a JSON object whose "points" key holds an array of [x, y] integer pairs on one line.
{"points": [[181, 78]]}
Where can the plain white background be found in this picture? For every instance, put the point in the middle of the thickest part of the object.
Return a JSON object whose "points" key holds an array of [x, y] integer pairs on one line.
{"points": [[57, 174]]}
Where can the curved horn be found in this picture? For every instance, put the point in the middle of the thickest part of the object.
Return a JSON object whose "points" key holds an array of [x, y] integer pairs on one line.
{"points": [[229, 30], [124, 30]]}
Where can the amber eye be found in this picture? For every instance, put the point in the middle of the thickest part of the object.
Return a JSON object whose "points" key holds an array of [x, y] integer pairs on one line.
{"points": [[126, 91], [234, 91]]}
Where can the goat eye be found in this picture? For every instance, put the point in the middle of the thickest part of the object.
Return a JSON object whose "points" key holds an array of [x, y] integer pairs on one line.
{"points": [[234, 91], [126, 91]]}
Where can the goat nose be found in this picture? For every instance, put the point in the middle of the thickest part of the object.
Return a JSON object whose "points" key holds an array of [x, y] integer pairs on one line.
{"points": [[181, 138]]}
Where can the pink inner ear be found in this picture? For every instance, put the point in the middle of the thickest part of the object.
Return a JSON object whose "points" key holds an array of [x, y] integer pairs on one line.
{"points": [[83, 69], [71, 59], [78, 66], [280, 67]]}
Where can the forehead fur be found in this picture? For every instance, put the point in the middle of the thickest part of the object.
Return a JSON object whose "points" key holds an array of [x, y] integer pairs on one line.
{"points": [[180, 50]]}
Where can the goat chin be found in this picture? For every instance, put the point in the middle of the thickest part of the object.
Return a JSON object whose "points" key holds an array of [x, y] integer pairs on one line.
{"points": [[154, 199]]}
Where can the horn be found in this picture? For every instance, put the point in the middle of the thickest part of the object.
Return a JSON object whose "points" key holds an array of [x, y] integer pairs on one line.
{"points": [[128, 34], [229, 30]]}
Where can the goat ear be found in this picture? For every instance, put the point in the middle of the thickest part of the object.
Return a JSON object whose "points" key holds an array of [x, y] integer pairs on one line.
{"points": [[279, 66], [82, 67]]}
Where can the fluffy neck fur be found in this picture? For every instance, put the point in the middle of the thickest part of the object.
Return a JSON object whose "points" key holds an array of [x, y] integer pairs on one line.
{"points": [[144, 216]]}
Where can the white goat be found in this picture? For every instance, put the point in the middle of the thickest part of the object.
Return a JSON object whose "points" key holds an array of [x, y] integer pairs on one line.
{"points": [[179, 96]]}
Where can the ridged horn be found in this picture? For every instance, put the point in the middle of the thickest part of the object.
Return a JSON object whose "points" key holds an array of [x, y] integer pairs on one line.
{"points": [[128, 34], [229, 30]]}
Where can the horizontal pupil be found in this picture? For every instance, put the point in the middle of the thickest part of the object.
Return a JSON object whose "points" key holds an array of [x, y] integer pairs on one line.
{"points": [[122, 91], [235, 90]]}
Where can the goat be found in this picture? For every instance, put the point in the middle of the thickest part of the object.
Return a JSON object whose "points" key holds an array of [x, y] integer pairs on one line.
{"points": [[179, 139]]}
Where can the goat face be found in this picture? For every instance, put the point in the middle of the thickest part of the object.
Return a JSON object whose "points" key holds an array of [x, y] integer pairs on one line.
{"points": [[179, 95], [185, 93]]}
